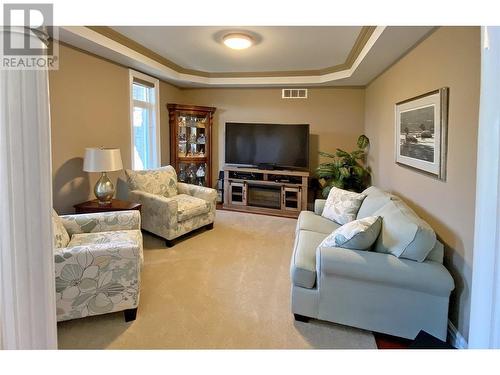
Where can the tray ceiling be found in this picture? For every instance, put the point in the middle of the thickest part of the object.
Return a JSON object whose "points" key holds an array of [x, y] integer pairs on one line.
{"points": [[276, 49], [193, 56]]}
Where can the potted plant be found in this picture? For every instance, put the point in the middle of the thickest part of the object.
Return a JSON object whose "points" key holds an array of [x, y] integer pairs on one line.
{"points": [[346, 170]]}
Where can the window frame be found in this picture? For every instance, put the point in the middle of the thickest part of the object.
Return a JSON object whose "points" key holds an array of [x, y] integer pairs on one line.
{"points": [[155, 117]]}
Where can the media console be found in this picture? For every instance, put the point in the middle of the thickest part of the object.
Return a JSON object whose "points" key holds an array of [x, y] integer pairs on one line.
{"points": [[276, 192]]}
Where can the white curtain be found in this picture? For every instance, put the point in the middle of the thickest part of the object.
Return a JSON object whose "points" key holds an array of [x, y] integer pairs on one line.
{"points": [[27, 286], [485, 300]]}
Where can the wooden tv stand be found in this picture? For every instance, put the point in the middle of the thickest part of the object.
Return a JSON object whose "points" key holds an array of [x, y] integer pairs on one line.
{"points": [[275, 192]]}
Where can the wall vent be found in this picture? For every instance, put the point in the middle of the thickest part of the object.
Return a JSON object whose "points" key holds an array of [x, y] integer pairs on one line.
{"points": [[294, 94]]}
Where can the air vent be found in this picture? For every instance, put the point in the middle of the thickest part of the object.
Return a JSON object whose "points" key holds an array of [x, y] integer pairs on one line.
{"points": [[294, 94]]}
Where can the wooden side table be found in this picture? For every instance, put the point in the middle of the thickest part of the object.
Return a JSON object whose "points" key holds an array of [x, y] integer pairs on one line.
{"points": [[115, 205]]}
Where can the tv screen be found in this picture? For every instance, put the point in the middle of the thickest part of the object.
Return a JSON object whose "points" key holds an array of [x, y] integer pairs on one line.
{"points": [[285, 146]]}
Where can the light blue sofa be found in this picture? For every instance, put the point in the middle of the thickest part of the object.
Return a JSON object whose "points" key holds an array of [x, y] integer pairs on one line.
{"points": [[366, 289]]}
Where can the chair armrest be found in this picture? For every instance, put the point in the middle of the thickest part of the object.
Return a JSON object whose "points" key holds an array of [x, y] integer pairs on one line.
{"points": [[155, 209], [111, 270], [102, 222], [319, 204], [205, 193], [427, 277]]}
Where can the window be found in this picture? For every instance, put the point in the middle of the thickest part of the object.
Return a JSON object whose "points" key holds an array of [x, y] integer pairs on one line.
{"points": [[145, 123]]}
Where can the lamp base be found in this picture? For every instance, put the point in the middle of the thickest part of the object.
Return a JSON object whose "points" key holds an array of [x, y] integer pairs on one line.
{"points": [[104, 190]]}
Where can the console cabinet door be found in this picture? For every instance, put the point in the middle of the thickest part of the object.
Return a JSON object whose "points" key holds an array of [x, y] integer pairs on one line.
{"points": [[237, 193], [291, 199]]}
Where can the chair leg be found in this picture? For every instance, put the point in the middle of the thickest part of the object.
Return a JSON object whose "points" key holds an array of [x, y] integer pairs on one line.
{"points": [[301, 318], [209, 226], [169, 243], [130, 314]]}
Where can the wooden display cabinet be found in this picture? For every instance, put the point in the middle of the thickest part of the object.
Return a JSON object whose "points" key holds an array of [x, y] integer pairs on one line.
{"points": [[191, 143]]}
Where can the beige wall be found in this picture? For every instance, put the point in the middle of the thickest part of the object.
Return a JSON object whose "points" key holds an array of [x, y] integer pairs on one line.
{"points": [[89, 99], [335, 115], [449, 57]]}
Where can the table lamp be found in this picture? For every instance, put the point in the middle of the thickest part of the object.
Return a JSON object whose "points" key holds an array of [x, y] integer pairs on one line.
{"points": [[103, 160]]}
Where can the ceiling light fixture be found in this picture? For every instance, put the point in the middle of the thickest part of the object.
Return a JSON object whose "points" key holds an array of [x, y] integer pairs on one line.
{"points": [[237, 41]]}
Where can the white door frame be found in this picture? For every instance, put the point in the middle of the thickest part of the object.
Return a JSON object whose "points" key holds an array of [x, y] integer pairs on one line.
{"points": [[27, 282], [155, 116], [484, 329]]}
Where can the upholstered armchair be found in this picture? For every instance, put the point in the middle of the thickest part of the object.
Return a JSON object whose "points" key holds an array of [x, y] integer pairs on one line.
{"points": [[170, 209], [98, 258]]}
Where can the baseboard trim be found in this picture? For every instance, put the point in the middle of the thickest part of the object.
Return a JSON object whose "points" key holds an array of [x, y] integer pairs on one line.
{"points": [[455, 338]]}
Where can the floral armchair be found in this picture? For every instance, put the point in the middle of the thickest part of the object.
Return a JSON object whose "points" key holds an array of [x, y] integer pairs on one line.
{"points": [[98, 258], [169, 208]]}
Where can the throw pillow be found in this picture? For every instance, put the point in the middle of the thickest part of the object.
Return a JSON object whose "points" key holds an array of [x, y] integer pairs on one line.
{"points": [[403, 233], [161, 181], [342, 206], [375, 199], [61, 236], [357, 235]]}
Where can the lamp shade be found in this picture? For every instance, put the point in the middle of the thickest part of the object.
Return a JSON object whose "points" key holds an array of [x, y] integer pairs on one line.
{"points": [[102, 160]]}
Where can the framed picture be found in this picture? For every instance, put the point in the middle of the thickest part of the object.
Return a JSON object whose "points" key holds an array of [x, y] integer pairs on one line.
{"points": [[421, 132]]}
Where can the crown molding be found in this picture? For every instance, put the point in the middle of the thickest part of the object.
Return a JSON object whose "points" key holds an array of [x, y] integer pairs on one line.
{"points": [[360, 42], [139, 58]]}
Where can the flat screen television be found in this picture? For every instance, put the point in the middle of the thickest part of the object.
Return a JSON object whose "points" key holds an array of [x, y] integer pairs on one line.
{"points": [[267, 145]]}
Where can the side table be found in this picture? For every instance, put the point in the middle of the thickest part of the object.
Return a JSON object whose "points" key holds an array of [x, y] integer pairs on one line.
{"points": [[115, 205]]}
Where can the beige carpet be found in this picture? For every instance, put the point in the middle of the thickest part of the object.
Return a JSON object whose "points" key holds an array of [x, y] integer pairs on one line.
{"points": [[224, 288]]}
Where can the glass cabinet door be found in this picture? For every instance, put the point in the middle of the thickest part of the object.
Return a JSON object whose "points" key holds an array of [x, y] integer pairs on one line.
{"points": [[192, 136], [190, 142], [194, 173]]}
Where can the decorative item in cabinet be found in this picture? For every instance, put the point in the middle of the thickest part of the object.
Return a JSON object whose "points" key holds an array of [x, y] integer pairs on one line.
{"points": [[191, 142], [194, 173]]}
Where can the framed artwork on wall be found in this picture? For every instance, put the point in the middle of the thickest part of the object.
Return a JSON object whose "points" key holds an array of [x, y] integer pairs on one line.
{"points": [[421, 132]]}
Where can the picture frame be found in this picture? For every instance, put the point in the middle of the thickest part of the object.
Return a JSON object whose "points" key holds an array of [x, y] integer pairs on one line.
{"points": [[421, 133]]}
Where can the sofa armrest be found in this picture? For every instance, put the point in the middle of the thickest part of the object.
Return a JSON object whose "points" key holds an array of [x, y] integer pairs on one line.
{"points": [[378, 268], [319, 204], [205, 193], [156, 208], [102, 222], [97, 278]]}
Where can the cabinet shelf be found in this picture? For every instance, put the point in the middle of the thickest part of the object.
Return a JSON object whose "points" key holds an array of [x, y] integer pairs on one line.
{"points": [[191, 158], [193, 126]]}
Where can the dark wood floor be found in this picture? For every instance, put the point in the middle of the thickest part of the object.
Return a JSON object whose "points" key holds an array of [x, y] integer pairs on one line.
{"points": [[390, 342]]}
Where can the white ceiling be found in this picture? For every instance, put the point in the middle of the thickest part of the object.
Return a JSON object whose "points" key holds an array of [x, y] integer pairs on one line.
{"points": [[277, 48], [309, 50]]}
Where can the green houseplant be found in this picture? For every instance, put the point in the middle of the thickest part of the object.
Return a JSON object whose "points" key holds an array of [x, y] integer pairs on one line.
{"points": [[345, 170]]}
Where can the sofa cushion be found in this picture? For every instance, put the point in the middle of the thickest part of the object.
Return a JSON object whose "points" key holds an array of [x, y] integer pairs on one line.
{"points": [[189, 206], [356, 235], [310, 221], [118, 236], [342, 206], [436, 254], [61, 236], [375, 200], [112, 241], [161, 181], [385, 269], [403, 233], [303, 267]]}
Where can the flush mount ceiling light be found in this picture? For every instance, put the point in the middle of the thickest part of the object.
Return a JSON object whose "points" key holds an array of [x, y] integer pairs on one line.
{"points": [[237, 41]]}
